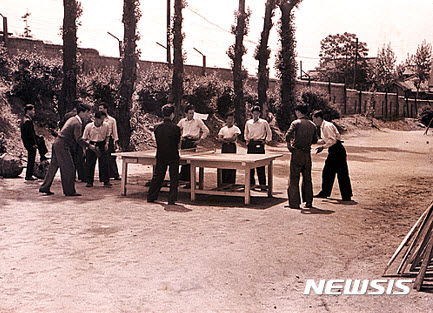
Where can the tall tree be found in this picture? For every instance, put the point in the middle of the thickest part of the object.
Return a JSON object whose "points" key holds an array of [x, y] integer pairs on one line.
{"points": [[338, 54], [286, 63], [262, 55], [72, 11], [177, 80], [131, 15], [383, 72], [423, 60], [235, 53]]}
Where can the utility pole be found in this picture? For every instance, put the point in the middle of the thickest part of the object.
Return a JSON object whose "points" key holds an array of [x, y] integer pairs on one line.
{"points": [[356, 61], [168, 33], [203, 71]]}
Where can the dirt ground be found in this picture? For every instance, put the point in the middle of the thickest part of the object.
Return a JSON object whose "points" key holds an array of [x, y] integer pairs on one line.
{"points": [[104, 252]]}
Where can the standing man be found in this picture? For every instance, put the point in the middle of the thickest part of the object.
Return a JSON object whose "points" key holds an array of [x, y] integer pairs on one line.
{"points": [[61, 154], [257, 134], [97, 134], [167, 136], [301, 135], [228, 136], [31, 141], [194, 131], [336, 162], [113, 142]]}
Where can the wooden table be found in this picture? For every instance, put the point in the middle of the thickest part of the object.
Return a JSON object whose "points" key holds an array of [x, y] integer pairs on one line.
{"points": [[243, 162]]}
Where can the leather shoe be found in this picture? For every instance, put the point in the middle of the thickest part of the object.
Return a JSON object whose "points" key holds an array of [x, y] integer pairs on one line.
{"points": [[320, 196], [117, 178], [31, 178], [74, 195], [46, 191], [108, 184], [347, 199], [89, 185]]}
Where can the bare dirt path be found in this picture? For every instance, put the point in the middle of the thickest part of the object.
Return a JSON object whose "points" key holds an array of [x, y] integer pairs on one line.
{"points": [[106, 253]]}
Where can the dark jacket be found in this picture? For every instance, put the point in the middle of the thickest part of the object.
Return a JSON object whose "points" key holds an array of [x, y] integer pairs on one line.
{"points": [[167, 136], [301, 134], [28, 134]]}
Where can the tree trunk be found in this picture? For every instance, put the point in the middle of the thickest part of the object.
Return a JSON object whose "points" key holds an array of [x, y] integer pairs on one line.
{"points": [[177, 80], [287, 65], [238, 74], [262, 55], [70, 68], [129, 71]]}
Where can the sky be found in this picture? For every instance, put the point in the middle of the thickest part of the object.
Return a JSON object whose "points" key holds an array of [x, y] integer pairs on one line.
{"points": [[402, 23]]}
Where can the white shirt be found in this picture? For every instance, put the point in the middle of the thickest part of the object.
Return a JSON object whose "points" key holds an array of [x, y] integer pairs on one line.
{"points": [[329, 134], [229, 132], [93, 133], [112, 127], [192, 128], [257, 130]]}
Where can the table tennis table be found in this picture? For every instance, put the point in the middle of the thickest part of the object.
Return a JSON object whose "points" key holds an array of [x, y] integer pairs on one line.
{"points": [[207, 159]]}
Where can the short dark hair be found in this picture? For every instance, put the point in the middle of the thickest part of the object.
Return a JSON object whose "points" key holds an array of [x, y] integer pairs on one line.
{"points": [[189, 107], [301, 108], [100, 114], [82, 108], [28, 107], [318, 113], [256, 108], [228, 114], [103, 104], [167, 110]]}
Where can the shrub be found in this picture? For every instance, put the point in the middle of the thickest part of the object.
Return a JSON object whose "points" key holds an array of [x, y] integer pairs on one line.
{"points": [[319, 101]]}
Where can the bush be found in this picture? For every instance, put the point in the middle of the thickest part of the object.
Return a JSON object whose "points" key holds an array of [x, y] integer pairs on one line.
{"points": [[426, 116], [317, 100], [37, 80]]}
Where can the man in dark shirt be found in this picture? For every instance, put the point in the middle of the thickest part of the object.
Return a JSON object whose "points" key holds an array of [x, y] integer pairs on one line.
{"points": [[61, 156], [300, 136], [167, 136], [31, 141]]}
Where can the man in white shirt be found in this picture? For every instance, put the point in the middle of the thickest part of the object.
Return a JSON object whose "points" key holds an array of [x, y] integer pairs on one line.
{"points": [[228, 136], [193, 132], [113, 142], [336, 162], [257, 134], [97, 134]]}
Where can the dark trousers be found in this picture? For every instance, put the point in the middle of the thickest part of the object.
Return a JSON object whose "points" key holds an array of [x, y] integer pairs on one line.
{"points": [[31, 157], [185, 170], [158, 179], [112, 165], [79, 161], [61, 157], [336, 163], [228, 176], [91, 158], [257, 147], [300, 164]]}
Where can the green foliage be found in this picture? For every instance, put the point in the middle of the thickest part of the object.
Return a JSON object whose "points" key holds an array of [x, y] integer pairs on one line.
{"points": [[317, 100], [383, 71], [37, 80], [426, 116], [337, 58], [100, 86], [153, 89]]}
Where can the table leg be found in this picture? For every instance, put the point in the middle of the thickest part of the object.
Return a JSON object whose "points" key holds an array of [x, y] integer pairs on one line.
{"points": [[124, 176], [193, 181], [219, 177], [270, 179], [247, 186], [201, 178]]}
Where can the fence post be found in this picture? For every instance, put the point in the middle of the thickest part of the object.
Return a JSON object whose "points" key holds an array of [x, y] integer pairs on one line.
{"points": [[360, 102], [345, 99], [386, 103]]}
